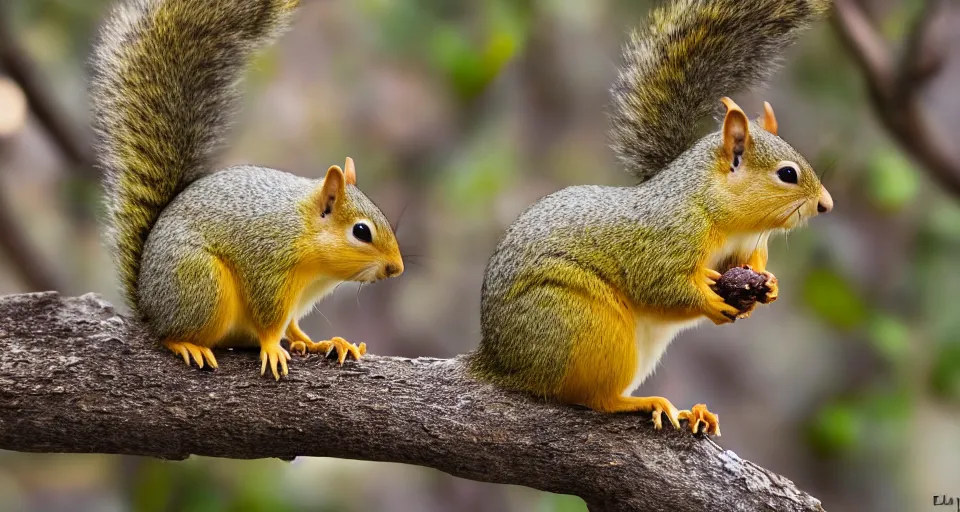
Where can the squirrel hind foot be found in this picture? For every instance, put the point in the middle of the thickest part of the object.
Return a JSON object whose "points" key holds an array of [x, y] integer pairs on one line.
{"points": [[342, 346], [655, 405], [271, 355], [700, 420], [186, 350]]}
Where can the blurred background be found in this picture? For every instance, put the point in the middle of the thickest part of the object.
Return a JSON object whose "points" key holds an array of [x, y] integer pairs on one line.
{"points": [[459, 115]]}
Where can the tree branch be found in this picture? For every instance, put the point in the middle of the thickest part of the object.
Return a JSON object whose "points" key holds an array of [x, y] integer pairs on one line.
{"points": [[895, 88], [76, 377]]}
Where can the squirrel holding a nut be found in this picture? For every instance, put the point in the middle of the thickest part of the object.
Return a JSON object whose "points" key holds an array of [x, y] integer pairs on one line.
{"points": [[590, 284]]}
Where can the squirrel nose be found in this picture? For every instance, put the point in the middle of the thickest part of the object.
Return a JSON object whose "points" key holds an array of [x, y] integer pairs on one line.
{"points": [[826, 201], [393, 269]]}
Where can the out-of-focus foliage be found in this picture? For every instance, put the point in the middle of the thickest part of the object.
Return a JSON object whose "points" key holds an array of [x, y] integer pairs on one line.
{"points": [[833, 299]]}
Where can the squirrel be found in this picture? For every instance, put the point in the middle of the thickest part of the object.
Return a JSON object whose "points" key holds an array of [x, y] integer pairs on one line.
{"points": [[589, 285], [227, 258]]}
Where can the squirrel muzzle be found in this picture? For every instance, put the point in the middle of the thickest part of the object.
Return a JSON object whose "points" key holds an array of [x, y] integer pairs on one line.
{"points": [[826, 201]]}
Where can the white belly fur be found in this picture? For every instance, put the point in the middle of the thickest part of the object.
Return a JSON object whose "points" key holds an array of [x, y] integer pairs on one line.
{"points": [[313, 293], [653, 334]]}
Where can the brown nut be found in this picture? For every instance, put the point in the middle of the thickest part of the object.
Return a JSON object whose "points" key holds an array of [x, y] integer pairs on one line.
{"points": [[742, 287]]}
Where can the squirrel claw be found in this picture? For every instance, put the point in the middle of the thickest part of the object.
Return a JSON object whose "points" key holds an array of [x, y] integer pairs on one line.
{"points": [[716, 308], [712, 275], [699, 419], [720, 312], [274, 354], [659, 406], [342, 346], [298, 347], [772, 285], [186, 350], [656, 416]]}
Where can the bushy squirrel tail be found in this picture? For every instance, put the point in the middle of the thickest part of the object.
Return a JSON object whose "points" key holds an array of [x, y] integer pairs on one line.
{"points": [[163, 91], [689, 54]]}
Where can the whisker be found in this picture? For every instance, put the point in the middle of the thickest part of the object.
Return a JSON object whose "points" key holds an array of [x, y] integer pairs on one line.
{"points": [[759, 239], [775, 210], [823, 177], [828, 166], [786, 236], [360, 287], [396, 226], [325, 316], [790, 214]]}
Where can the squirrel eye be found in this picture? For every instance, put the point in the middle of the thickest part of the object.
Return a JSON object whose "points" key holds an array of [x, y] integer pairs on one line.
{"points": [[787, 174], [362, 232]]}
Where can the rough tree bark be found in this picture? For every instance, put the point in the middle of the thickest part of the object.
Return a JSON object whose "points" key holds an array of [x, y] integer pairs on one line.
{"points": [[77, 377]]}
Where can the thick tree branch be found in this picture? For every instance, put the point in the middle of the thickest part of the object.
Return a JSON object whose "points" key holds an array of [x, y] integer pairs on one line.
{"points": [[77, 377], [895, 88]]}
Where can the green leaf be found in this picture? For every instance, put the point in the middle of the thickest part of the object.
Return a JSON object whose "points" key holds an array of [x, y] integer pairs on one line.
{"points": [[887, 406], [892, 181], [458, 60], [561, 503], [836, 429], [480, 174], [471, 65], [945, 376], [890, 337], [832, 298], [152, 486]]}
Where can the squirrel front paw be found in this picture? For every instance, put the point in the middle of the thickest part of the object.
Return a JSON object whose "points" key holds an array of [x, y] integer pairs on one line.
{"points": [[719, 312], [715, 307], [773, 289], [744, 288]]}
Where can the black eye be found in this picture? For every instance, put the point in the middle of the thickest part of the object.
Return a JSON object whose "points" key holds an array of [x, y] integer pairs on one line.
{"points": [[362, 232], [787, 174]]}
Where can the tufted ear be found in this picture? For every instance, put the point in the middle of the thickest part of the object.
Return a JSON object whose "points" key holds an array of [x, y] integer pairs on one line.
{"points": [[350, 172], [332, 191], [736, 133], [769, 120]]}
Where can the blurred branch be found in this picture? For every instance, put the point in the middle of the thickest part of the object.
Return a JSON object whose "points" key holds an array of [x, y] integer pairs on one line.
{"points": [[30, 266], [895, 87], [75, 377], [55, 121]]}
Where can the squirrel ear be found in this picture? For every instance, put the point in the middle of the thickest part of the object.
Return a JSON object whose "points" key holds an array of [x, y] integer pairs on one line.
{"points": [[736, 132], [769, 120], [350, 172], [332, 190]]}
